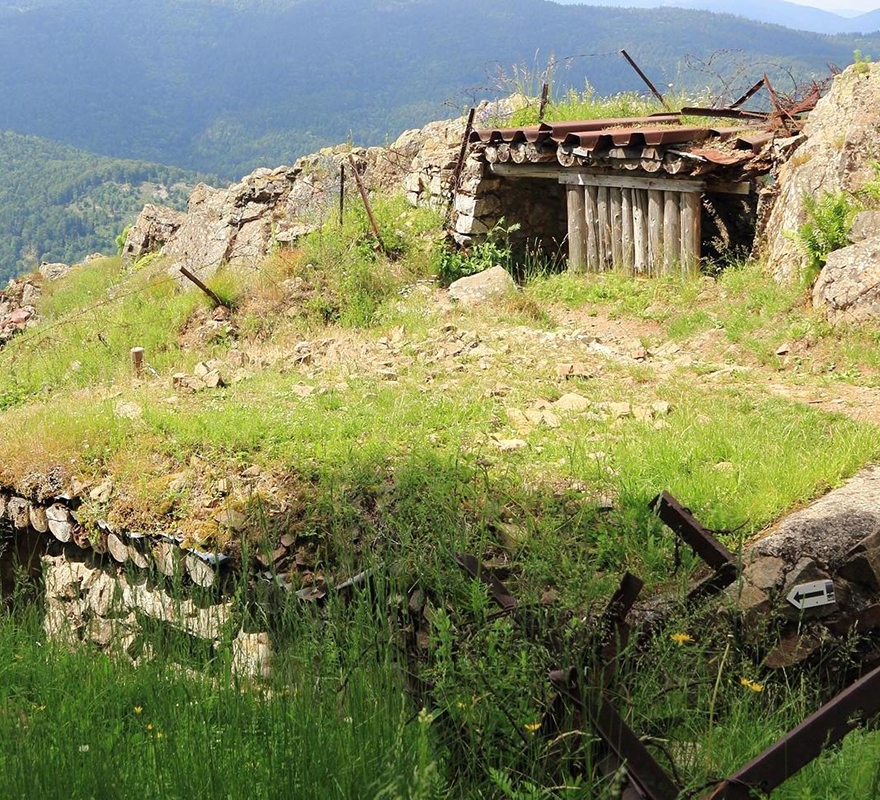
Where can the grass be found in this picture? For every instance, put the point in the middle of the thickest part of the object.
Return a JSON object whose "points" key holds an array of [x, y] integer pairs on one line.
{"points": [[83, 725]]}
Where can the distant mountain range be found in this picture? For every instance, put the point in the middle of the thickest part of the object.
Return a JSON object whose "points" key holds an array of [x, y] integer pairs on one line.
{"points": [[777, 12], [225, 86]]}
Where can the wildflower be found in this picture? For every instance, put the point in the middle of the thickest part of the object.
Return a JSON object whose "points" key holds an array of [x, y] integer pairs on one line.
{"points": [[753, 685], [160, 735], [425, 717], [84, 748], [459, 704], [138, 709], [150, 726], [532, 727], [681, 638]]}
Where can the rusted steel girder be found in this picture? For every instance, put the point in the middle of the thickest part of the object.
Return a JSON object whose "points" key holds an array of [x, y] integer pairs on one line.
{"points": [[684, 524], [498, 591], [803, 744]]}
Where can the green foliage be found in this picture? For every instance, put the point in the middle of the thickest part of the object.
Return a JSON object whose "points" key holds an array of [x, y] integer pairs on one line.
{"points": [[61, 204], [862, 62], [828, 222], [350, 275], [120, 240], [495, 250], [122, 731]]}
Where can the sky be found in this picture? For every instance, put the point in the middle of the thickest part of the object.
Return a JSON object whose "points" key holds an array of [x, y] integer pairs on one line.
{"points": [[837, 5]]}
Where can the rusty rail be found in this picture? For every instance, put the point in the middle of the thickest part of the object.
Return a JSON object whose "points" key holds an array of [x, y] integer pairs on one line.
{"points": [[459, 164], [498, 591], [806, 742], [675, 516], [645, 78]]}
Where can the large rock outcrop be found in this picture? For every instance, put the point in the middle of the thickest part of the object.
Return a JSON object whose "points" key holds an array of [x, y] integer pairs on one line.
{"points": [[848, 287], [241, 224], [842, 139]]}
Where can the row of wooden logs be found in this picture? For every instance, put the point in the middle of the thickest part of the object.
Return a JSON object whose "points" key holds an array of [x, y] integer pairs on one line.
{"points": [[635, 231], [646, 159], [165, 554]]}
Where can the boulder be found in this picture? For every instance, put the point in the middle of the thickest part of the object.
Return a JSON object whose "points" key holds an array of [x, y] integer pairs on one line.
{"points": [[841, 142], [828, 530], [54, 272], [487, 285], [848, 287], [865, 226]]}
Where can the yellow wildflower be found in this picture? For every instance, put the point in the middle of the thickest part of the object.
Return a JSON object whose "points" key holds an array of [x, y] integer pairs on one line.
{"points": [[681, 638], [150, 727], [138, 709], [532, 727], [753, 685], [159, 735]]}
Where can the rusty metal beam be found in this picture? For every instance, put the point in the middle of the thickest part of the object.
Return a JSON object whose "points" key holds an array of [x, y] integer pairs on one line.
{"points": [[685, 525], [645, 78], [498, 591], [727, 113], [459, 164], [643, 770], [748, 95], [803, 744], [366, 200]]}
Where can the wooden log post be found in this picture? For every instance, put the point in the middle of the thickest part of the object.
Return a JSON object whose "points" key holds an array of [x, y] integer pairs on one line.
{"points": [[691, 233], [616, 204], [503, 153], [137, 361], [640, 231], [591, 198], [577, 229], [604, 228], [671, 232], [627, 232], [655, 232]]}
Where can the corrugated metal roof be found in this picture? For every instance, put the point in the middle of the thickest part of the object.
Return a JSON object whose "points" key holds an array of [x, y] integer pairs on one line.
{"points": [[600, 134], [557, 131]]}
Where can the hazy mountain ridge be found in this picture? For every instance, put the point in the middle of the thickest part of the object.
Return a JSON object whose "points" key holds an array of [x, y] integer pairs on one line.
{"points": [[776, 12], [210, 87]]}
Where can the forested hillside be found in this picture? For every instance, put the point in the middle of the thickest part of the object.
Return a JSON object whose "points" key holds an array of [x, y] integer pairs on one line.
{"points": [[58, 203], [229, 85]]}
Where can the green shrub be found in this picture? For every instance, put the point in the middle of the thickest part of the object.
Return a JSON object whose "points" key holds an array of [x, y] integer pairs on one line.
{"points": [[494, 251]]}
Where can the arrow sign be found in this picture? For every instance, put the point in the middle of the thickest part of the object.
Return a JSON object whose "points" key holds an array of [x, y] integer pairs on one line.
{"points": [[812, 595]]}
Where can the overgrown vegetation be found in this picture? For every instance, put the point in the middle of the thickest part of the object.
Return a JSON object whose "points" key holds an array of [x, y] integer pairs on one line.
{"points": [[387, 429]]}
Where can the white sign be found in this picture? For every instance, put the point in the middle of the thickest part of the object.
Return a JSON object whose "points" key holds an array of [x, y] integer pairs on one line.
{"points": [[811, 595]]}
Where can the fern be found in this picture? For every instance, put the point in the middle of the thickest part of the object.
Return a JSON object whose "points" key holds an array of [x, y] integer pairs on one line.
{"points": [[828, 222]]}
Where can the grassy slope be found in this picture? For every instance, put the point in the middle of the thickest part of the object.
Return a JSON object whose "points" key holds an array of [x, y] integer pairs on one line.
{"points": [[394, 457]]}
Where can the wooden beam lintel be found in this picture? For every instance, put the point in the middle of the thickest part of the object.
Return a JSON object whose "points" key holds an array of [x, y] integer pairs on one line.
{"points": [[568, 175]]}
